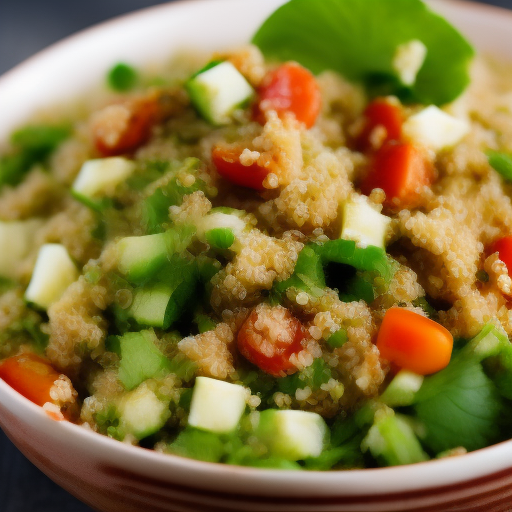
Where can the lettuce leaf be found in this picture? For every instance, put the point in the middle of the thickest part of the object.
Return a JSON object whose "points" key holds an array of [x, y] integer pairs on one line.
{"points": [[359, 38]]}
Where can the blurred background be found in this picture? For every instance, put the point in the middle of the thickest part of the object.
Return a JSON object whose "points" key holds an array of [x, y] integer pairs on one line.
{"points": [[27, 26]]}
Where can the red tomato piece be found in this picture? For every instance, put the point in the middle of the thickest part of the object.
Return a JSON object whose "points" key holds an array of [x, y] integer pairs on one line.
{"points": [[123, 128], [401, 169], [30, 375], [381, 113], [289, 88], [228, 165], [269, 337], [414, 342], [503, 247]]}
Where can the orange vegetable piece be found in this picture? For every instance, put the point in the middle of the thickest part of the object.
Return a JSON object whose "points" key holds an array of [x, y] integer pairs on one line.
{"points": [[228, 165], [269, 337], [414, 342], [503, 247], [289, 88], [380, 113], [30, 375], [401, 169]]}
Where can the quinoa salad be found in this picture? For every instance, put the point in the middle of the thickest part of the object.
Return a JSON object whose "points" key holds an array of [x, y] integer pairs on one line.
{"points": [[272, 256]]}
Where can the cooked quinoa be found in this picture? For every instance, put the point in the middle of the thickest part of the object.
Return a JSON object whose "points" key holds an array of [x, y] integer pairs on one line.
{"points": [[264, 287]]}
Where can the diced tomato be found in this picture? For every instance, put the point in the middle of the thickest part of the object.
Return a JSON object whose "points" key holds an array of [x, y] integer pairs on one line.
{"points": [[401, 169], [269, 337], [503, 247], [380, 113], [123, 128], [289, 88], [228, 165], [30, 375], [414, 342]]}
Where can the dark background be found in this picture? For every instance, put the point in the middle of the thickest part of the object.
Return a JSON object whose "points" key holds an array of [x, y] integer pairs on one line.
{"points": [[27, 26]]}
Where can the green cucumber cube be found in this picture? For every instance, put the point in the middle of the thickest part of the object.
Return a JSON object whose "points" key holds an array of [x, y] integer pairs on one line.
{"points": [[363, 224], [391, 439], [139, 257], [149, 305], [402, 389], [293, 435], [216, 406], [217, 91], [53, 273], [142, 413]]}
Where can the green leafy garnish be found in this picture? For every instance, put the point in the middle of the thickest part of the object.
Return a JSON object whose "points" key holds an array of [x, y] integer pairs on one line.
{"points": [[337, 339], [122, 77], [501, 163], [199, 445], [31, 145], [359, 40], [459, 406]]}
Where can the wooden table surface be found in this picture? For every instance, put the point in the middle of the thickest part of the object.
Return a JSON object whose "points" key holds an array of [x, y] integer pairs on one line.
{"points": [[23, 488]]}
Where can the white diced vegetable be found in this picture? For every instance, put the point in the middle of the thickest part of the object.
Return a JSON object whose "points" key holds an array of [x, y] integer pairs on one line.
{"points": [[402, 389], [363, 224], [100, 177], [435, 129], [142, 412], [293, 435], [53, 273], [16, 240], [216, 406], [218, 91], [408, 60]]}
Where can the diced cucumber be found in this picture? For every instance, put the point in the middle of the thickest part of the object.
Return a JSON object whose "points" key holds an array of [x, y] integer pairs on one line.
{"points": [[139, 257], [99, 178], [18, 236], [363, 224], [221, 228], [402, 389], [149, 305], [292, 435], [217, 90], [142, 413], [53, 273], [140, 358], [408, 60], [216, 406], [392, 441], [435, 129], [489, 342]]}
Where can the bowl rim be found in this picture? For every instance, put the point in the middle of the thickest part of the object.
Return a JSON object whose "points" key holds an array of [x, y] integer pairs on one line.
{"points": [[371, 481]]}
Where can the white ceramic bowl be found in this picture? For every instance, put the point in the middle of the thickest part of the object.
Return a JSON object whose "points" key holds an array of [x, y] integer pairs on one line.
{"points": [[111, 476]]}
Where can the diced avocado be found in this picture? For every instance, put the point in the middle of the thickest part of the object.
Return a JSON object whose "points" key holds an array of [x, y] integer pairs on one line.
{"points": [[139, 257], [99, 178], [140, 358], [142, 413], [401, 390], [217, 90], [292, 435], [408, 60], [149, 305], [363, 224], [392, 440], [53, 273], [216, 406], [18, 236], [435, 129]]}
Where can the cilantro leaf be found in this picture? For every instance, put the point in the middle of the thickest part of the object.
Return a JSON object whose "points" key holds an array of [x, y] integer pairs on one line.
{"points": [[459, 406], [359, 38]]}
